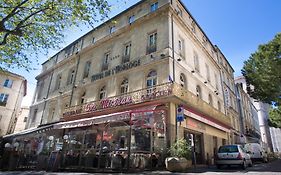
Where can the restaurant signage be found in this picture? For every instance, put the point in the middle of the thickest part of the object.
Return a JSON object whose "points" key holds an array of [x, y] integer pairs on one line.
{"points": [[132, 98]]}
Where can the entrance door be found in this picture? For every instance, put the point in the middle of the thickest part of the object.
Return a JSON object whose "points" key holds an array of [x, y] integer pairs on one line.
{"points": [[198, 145]]}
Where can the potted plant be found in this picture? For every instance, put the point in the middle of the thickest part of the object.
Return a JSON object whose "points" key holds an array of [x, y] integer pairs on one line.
{"points": [[180, 158]]}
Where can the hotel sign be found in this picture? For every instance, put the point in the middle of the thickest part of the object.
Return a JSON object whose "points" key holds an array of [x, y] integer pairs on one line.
{"points": [[140, 96], [116, 70]]}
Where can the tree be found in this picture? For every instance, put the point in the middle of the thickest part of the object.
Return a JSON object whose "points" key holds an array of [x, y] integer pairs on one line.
{"points": [[29, 27], [263, 71], [275, 117]]}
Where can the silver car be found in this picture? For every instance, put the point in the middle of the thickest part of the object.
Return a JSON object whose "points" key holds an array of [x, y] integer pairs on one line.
{"points": [[233, 155]]}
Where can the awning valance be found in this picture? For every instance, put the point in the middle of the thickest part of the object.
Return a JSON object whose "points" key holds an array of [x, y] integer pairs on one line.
{"points": [[119, 116]]}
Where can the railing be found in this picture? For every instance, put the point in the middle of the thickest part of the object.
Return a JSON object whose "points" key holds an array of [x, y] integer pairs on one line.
{"points": [[125, 58], [104, 66], [196, 103], [148, 94], [151, 49], [135, 97], [3, 103]]}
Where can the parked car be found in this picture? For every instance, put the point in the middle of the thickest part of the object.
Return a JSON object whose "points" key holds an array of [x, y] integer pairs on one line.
{"points": [[233, 155], [256, 152]]}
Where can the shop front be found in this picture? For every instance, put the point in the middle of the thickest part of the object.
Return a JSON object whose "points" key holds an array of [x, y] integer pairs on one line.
{"points": [[134, 139]]}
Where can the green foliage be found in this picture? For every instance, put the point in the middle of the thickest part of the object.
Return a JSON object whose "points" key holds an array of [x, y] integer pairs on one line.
{"points": [[263, 71], [30, 27], [181, 149], [275, 117]]}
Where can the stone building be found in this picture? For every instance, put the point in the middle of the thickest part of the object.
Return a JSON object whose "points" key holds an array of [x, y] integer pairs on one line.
{"points": [[12, 91], [21, 119], [263, 114], [249, 123], [140, 80]]}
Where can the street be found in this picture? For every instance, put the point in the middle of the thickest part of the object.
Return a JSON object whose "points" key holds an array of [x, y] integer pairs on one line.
{"points": [[272, 168]]}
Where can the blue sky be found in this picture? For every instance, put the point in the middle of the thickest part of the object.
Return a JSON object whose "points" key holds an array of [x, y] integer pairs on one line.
{"points": [[236, 26]]}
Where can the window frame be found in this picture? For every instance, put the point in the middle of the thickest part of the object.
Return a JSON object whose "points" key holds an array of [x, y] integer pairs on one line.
{"points": [[8, 83], [124, 86], [102, 93], [154, 6]]}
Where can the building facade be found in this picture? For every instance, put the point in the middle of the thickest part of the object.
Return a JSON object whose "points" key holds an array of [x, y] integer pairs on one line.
{"points": [[12, 91], [275, 134], [249, 124], [116, 91], [22, 119], [263, 114]]}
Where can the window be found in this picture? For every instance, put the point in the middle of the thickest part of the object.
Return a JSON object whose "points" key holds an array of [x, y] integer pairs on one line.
{"points": [[179, 11], [105, 61], [94, 40], [151, 79], [124, 86], [8, 83], [52, 114], [58, 82], [198, 91], [210, 100], [3, 99], [71, 76], [183, 81], [219, 106], [152, 43], [216, 81], [153, 7], [131, 19], [102, 92], [87, 69], [181, 47], [127, 52], [41, 88], [196, 62], [34, 115], [207, 72], [83, 100], [193, 25], [25, 119], [112, 29]]}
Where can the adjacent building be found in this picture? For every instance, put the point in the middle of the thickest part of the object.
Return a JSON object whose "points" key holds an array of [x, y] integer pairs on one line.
{"points": [[249, 124], [12, 91], [263, 115], [275, 134], [21, 119]]}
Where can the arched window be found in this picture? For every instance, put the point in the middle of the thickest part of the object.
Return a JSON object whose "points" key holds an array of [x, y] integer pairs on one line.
{"points": [[198, 91], [102, 92], [210, 100], [196, 62], [183, 82], [219, 106], [82, 99], [151, 79], [124, 86]]}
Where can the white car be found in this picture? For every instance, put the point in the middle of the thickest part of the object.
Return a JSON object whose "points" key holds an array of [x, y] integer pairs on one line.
{"points": [[256, 152], [233, 155]]}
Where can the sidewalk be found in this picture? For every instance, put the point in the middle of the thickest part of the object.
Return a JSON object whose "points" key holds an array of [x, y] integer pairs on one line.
{"points": [[191, 170]]}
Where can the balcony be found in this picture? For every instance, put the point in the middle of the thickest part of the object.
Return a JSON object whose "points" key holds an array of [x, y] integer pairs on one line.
{"points": [[164, 93], [104, 66], [151, 49], [125, 58], [3, 103], [198, 104]]}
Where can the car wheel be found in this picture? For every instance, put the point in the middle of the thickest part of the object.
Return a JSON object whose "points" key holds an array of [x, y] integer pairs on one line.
{"points": [[244, 165]]}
